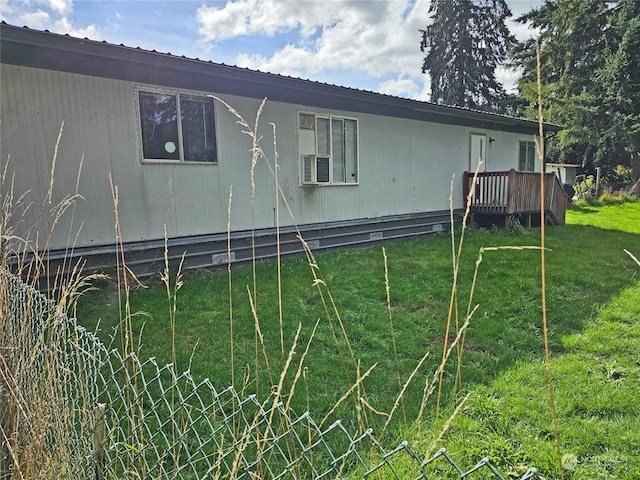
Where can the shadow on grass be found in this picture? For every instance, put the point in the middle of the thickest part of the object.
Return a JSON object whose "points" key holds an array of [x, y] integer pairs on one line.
{"points": [[582, 208], [586, 267]]}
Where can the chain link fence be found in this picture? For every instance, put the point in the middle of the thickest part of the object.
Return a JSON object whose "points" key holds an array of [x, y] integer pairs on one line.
{"points": [[73, 409]]}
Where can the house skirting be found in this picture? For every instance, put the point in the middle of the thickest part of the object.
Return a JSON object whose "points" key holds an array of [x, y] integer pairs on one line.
{"points": [[147, 258]]}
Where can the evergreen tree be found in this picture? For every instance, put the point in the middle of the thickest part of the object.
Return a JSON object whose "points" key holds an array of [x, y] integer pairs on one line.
{"points": [[464, 45], [590, 75], [571, 39], [619, 81]]}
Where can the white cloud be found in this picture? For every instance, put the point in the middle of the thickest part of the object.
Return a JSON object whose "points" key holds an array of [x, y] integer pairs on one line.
{"points": [[508, 77], [266, 17], [53, 15], [5, 8], [290, 60], [39, 19], [228, 22], [371, 38], [522, 31], [400, 87], [64, 25], [375, 38], [62, 7]]}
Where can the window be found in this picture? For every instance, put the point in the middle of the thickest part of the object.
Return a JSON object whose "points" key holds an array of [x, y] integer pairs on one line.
{"points": [[527, 157], [328, 148], [177, 127]]}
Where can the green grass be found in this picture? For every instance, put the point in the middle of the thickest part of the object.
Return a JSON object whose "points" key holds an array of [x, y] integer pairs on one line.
{"points": [[596, 387], [596, 383], [508, 417], [624, 217]]}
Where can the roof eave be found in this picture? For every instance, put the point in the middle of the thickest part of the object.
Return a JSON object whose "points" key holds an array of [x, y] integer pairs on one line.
{"points": [[27, 47]]}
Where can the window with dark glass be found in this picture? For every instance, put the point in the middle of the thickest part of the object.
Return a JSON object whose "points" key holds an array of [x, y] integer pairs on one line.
{"points": [[177, 127], [527, 157]]}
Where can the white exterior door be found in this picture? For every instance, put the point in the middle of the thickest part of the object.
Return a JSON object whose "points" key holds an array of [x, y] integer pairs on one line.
{"points": [[477, 152]]}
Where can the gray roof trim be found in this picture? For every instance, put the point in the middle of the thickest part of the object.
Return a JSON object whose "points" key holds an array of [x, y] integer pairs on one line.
{"points": [[42, 49]]}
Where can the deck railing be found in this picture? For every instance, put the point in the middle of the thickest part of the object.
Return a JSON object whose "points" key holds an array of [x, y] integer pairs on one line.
{"points": [[510, 193]]}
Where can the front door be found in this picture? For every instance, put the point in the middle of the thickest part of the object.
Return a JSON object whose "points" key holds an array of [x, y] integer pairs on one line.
{"points": [[477, 152]]}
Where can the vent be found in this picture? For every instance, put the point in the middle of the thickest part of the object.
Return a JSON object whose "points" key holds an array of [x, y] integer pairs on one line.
{"points": [[222, 258], [307, 165], [437, 227], [313, 244], [375, 236]]}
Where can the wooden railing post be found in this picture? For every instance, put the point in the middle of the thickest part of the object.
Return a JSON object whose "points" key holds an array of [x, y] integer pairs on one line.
{"points": [[512, 191]]}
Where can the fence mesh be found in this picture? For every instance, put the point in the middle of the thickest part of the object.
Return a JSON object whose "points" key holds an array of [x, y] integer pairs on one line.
{"points": [[72, 408]]}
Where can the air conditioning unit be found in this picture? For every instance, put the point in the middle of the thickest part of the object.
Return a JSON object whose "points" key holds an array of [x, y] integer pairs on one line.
{"points": [[315, 169]]}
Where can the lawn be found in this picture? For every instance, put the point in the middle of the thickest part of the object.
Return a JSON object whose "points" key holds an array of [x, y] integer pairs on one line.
{"points": [[507, 416], [596, 385], [624, 217]]}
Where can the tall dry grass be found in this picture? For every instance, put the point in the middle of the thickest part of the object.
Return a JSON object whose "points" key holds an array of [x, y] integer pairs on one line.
{"points": [[33, 449], [457, 320], [44, 393]]}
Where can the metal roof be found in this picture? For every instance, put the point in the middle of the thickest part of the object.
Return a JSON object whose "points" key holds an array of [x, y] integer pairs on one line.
{"points": [[43, 49]]}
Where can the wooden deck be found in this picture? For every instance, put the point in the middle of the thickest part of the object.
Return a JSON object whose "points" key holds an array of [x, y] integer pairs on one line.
{"points": [[512, 193]]}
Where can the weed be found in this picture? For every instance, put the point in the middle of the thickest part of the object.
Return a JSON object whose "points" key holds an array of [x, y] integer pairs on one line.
{"points": [[362, 350], [515, 226]]}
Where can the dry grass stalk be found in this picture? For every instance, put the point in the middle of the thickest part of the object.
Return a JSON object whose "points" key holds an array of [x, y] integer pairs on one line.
{"points": [[348, 393], [301, 368], [543, 263], [229, 285], [259, 334], [446, 426], [276, 167], [403, 390], [387, 289], [47, 415], [635, 259], [454, 287], [430, 387]]}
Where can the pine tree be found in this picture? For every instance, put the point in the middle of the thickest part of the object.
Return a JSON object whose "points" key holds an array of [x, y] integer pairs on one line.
{"points": [[465, 43], [590, 75], [571, 39], [619, 81]]}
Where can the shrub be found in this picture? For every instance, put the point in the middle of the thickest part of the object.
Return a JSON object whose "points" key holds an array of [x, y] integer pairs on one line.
{"points": [[610, 197], [586, 187], [621, 178]]}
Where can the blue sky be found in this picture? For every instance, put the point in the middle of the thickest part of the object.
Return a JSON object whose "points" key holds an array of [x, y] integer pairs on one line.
{"points": [[368, 44]]}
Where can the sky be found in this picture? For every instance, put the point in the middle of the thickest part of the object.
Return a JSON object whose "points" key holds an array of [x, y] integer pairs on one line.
{"points": [[366, 44]]}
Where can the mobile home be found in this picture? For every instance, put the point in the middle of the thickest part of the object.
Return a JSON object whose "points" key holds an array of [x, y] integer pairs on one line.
{"points": [[148, 153]]}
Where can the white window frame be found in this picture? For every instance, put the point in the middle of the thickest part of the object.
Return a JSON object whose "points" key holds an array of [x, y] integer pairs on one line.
{"points": [[316, 167], [180, 147]]}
